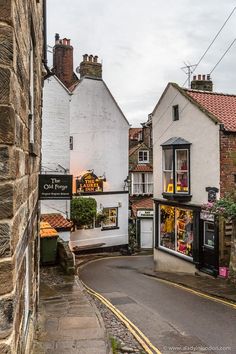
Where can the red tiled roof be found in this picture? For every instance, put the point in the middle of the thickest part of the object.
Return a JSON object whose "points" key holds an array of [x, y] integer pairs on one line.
{"points": [[222, 106], [133, 149], [57, 221], [143, 203], [142, 168], [133, 132]]}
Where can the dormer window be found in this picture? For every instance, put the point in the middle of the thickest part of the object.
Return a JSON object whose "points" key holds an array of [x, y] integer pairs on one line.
{"points": [[175, 112], [143, 156], [176, 168]]}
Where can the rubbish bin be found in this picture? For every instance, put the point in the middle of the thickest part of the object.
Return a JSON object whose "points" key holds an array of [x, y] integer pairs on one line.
{"points": [[48, 244]]}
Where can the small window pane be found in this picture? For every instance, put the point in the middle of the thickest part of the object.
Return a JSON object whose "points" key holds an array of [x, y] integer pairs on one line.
{"points": [[184, 225], [209, 234], [167, 227], [111, 217], [182, 174], [175, 111], [168, 160]]}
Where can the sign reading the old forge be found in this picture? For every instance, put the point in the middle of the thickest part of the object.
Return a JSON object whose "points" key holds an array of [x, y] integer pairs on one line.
{"points": [[55, 186]]}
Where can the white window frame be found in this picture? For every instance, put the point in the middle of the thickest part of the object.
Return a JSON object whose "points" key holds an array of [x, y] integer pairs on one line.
{"points": [[142, 187], [184, 171], [111, 225], [142, 159]]}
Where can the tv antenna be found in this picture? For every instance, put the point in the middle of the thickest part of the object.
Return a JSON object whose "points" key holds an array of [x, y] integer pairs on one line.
{"points": [[188, 69]]}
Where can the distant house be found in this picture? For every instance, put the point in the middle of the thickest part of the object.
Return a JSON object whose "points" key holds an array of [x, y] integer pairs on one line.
{"points": [[85, 134], [141, 182], [194, 154]]}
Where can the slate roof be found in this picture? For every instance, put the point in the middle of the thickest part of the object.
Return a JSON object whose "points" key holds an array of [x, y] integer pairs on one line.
{"points": [[57, 221], [220, 105], [176, 141]]}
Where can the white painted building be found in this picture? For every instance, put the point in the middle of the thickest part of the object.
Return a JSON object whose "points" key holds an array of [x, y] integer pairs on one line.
{"points": [[55, 138], [84, 130], [186, 164], [99, 132]]}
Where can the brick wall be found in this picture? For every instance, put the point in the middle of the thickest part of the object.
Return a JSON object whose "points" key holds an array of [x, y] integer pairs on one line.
{"points": [[227, 162], [21, 33]]}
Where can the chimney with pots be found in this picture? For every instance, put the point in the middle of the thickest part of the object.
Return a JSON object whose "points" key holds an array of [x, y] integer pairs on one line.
{"points": [[202, 82], [90, 67], [63, 61]]}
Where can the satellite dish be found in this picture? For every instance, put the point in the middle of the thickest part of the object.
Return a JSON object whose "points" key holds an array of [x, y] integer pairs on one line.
{"points": [[77, 69]]}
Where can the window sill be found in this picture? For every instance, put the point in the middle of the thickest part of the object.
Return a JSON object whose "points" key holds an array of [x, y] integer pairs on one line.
{"points": [[110, 228], [177, 197]]}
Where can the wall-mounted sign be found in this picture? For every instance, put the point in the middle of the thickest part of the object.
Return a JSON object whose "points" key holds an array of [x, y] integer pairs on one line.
{"points": [[144, 213], [55, 186], [89, 182], [205, 215]]}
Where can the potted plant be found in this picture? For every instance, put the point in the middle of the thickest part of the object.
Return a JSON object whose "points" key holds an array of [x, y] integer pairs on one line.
{"points": [[83, 211]]}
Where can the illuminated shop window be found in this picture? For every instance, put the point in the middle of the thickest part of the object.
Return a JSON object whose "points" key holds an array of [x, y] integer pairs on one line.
{"points": [[111, 217], [176, 230], [176, 158]]}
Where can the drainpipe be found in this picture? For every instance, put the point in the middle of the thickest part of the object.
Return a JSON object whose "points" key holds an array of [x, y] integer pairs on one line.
{"points": [[45, 60]]}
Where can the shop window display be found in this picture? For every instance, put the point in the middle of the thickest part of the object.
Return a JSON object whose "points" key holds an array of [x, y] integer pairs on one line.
{"points": [[176, 229]]}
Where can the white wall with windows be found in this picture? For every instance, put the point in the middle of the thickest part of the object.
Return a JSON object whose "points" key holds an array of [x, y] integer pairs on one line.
{"points": [[114, 231], [100, 143], [201, 132]]}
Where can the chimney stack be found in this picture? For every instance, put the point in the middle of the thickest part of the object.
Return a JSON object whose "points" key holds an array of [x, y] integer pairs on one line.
{"points": [[63, 60], [202, 82], [90, 67]]}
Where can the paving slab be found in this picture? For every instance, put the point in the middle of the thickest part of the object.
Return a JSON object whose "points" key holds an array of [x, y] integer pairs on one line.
{"points": [[68, 321]]}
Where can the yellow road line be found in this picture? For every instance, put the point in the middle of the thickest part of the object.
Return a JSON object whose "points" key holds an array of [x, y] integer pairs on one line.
{"points": [[183, 287], [196, 292], [140, 337]]}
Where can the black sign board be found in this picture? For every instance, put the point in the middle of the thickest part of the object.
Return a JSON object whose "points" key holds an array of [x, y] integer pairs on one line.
{"points": [[55, 187]]}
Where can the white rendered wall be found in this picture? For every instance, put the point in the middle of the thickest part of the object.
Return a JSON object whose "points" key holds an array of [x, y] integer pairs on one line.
{"points": [[108, 237], [195, 127], [55, 138], [100, 134]]}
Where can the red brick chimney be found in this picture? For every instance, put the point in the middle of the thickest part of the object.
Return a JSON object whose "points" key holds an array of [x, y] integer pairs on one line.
{"points": [[202, 82], [63, 61]]}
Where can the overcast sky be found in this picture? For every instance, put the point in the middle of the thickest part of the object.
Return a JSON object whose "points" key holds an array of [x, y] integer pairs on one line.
{"points": [[144, 43]]}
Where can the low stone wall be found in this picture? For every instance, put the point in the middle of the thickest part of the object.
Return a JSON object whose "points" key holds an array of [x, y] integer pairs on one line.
{"points": [[65, 257]]}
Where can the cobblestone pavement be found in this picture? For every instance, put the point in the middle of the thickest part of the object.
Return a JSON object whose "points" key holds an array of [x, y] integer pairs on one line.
{"points": [[121, 337]]}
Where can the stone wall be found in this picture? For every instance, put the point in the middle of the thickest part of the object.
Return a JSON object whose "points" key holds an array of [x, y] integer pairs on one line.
{"points": [[227, 162], [21, 38]]}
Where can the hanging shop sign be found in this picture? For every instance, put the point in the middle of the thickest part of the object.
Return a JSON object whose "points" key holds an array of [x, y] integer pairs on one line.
{"points": [[205, 215], [145, 213], [89, 182], [55, 187]]}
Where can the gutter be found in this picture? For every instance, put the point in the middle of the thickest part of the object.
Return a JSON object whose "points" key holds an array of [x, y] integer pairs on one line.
{"points": [[45, 60]]}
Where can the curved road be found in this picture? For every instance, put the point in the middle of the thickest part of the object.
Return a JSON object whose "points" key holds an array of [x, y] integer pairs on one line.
{"points": [[174, 320]]}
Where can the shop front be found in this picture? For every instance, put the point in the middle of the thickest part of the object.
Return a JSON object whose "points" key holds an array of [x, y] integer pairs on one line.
{"points": [[188, 234]]}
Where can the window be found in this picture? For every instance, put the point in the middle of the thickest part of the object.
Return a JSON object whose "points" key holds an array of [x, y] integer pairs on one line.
{"points": [[111, 218], [176, 230], [209, 234], [143, 156], [71, 142], [176, 171], [175, 112], [142, 183]]}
